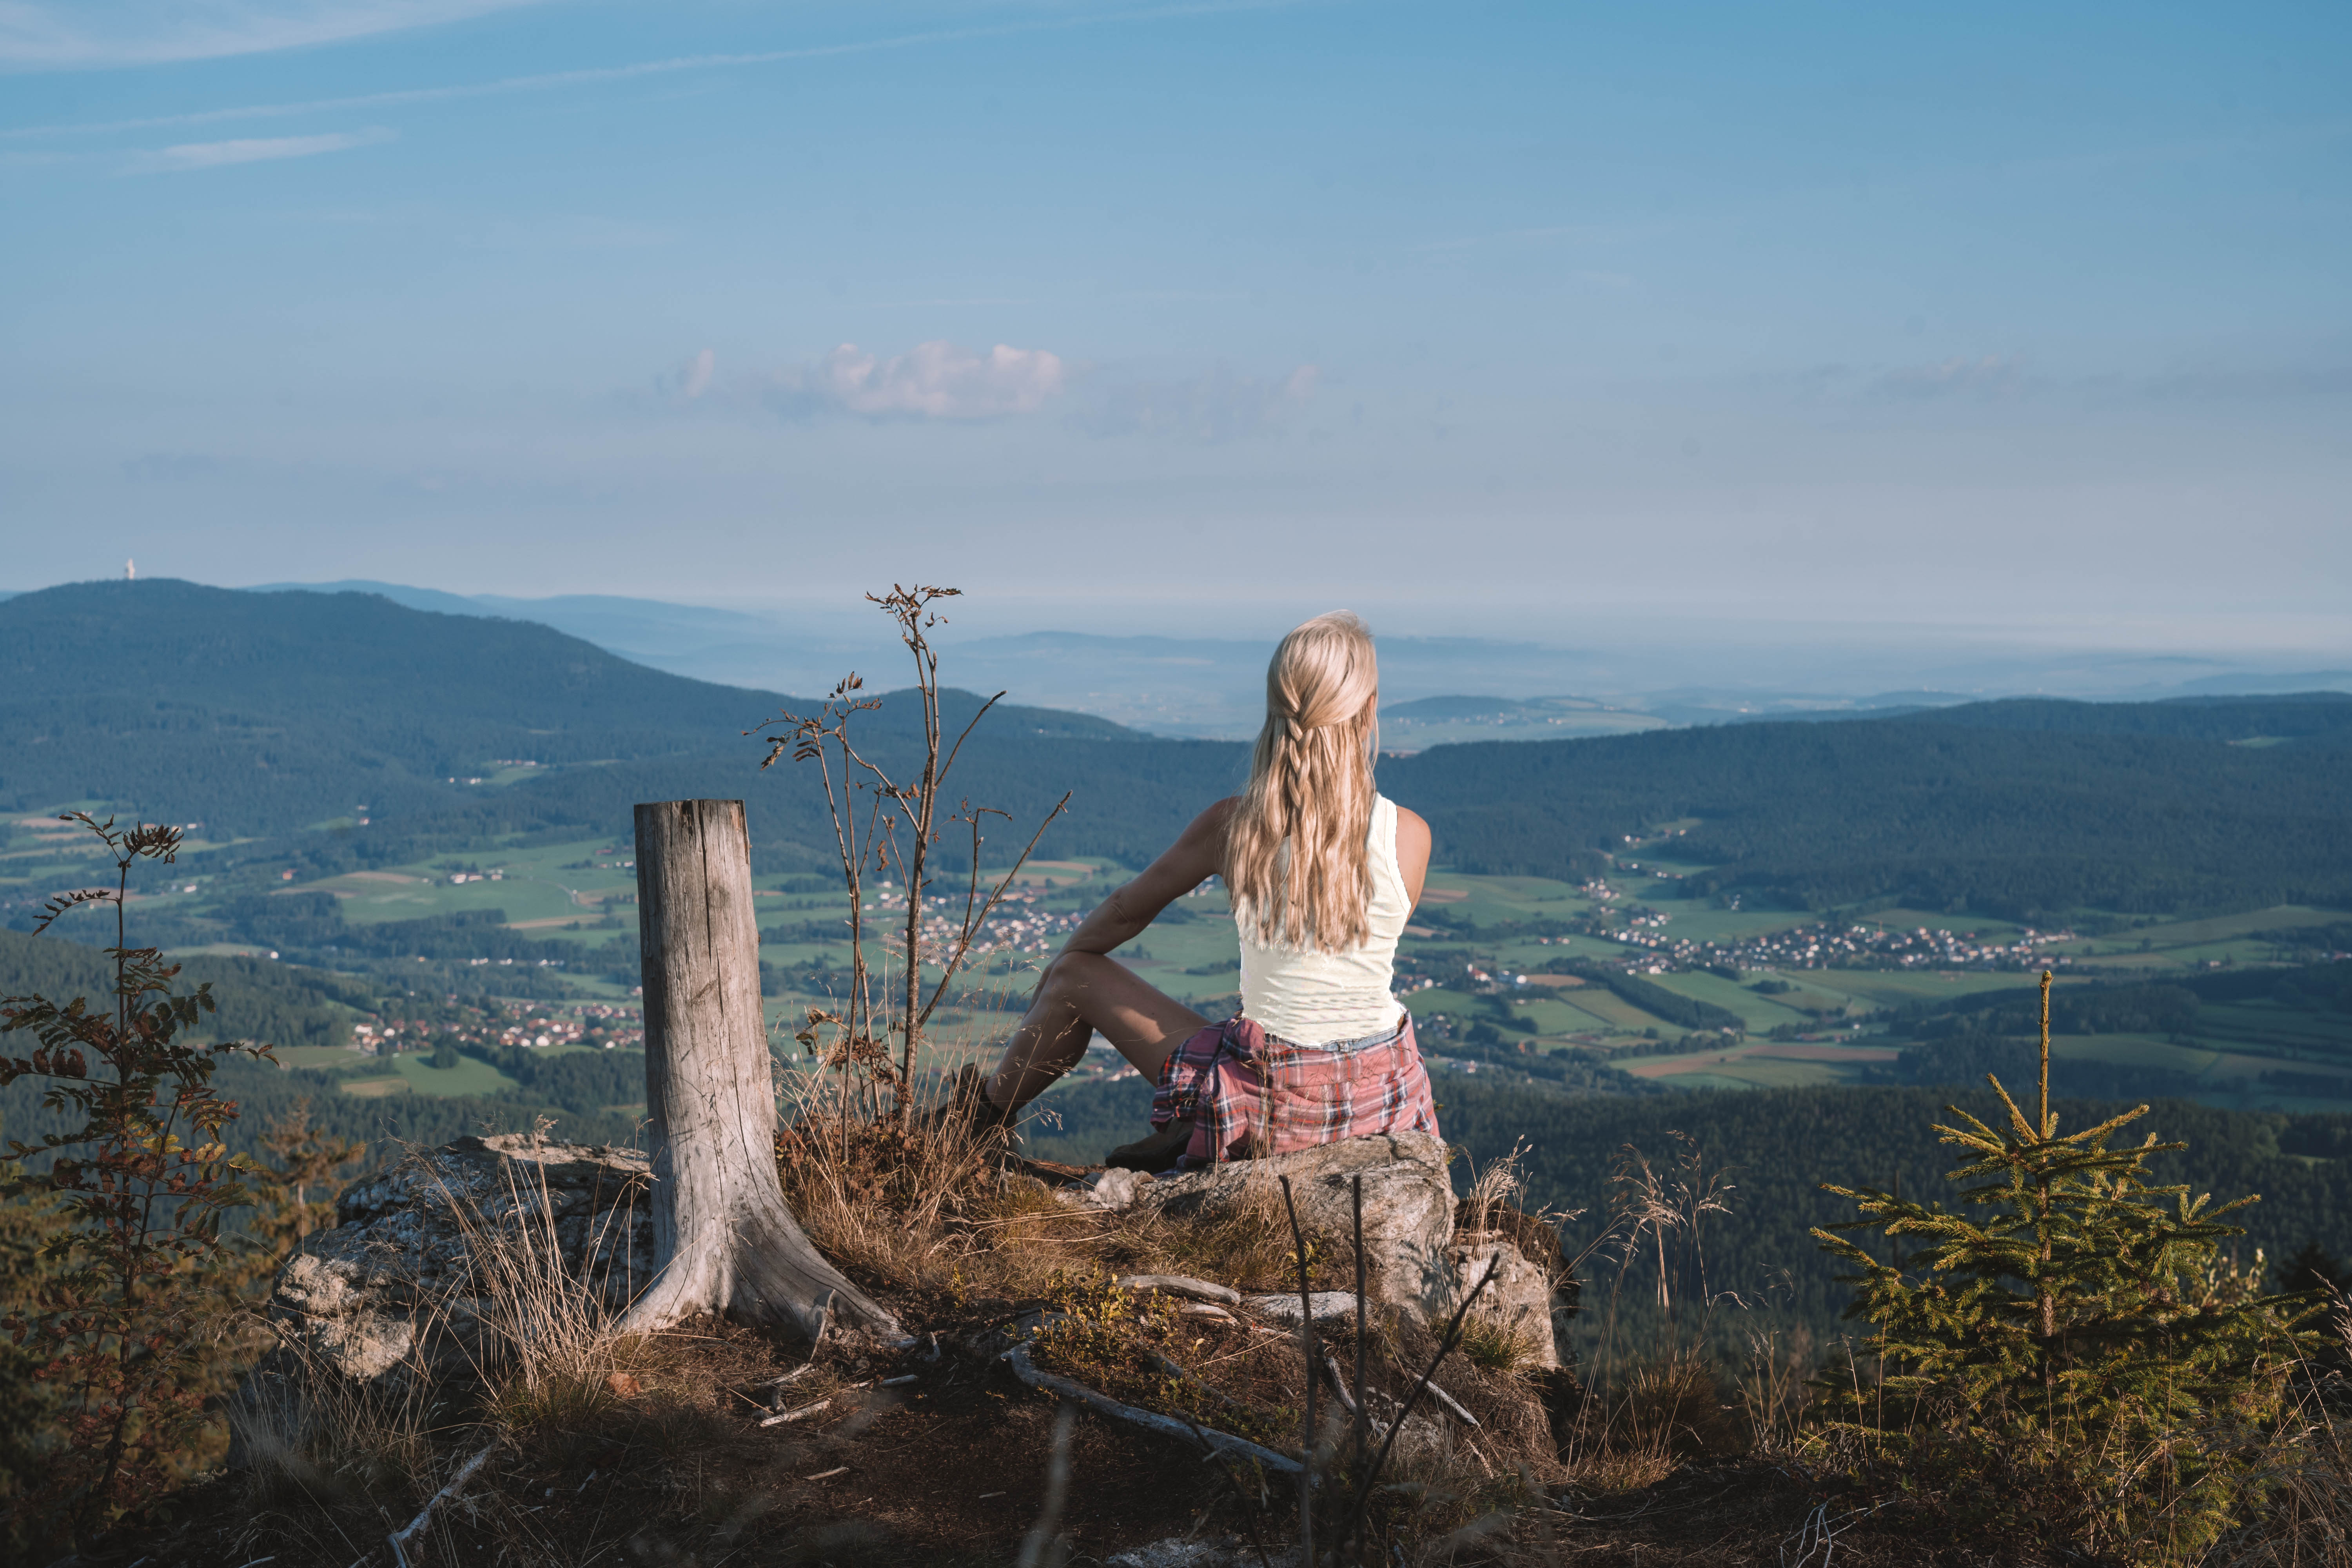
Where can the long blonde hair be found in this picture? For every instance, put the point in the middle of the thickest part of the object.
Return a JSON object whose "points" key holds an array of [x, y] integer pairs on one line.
{"points": [[1296, 855]]}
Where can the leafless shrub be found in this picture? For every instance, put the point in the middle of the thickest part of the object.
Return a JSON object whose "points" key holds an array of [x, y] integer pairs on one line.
{"points": [[903, 816]]}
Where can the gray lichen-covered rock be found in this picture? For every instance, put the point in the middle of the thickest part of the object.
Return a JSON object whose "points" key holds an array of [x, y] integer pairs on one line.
{"points": [[1520, 1301], [408, 1278], [1408, 1204]]}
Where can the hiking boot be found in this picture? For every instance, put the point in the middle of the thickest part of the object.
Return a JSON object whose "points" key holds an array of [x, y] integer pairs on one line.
{"points": [[1153, 1155], [967, 1103]]}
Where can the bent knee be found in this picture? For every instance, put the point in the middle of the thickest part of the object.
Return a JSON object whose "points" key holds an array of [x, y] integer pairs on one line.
{"points": [[1069, 969]]}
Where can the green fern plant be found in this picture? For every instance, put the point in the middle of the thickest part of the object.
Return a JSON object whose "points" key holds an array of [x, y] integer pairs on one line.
{"points": [[2075, 1341]]}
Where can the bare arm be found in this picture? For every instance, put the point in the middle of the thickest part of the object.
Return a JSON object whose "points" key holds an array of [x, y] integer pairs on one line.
{"points": [[1198, 854], [1412, 847]]}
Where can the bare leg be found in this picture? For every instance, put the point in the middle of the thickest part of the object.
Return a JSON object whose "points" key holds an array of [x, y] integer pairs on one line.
{"points": [[1079, 994]]}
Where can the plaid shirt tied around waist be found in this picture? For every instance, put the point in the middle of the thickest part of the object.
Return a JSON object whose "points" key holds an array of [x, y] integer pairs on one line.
{"points": [[1246, 1092]]}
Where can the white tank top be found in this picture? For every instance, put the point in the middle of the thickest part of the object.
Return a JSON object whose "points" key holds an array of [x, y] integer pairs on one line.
{"points": [[1313, 998]]}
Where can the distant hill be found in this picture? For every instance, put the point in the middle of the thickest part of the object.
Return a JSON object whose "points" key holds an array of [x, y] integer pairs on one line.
{"points": [[1444, 708], [267, 715], [262, 713], [2025, 808], [2321, 719]]}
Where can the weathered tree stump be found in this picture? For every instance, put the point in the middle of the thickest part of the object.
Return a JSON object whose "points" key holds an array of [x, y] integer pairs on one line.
{"points": [[724, 1239]]}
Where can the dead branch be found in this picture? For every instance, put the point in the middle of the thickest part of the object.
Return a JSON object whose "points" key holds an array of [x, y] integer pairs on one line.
{"points": [[465, 1473], [1028, 1371]]}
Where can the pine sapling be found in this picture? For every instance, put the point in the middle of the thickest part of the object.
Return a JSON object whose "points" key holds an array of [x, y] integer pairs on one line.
{"points": [[2074, 1323]]}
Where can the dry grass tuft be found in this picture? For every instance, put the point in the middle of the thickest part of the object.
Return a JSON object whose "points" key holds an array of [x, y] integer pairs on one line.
{"points": [[552, 1387], [1493, 1346], [931, 1207], [1247, 1245]]}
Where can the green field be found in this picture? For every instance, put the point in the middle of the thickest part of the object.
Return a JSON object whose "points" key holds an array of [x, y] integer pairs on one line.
{"points": [[535, 889], [2133, 1050], [411, 1074], [319, 1056], [1758, 1011], [2218, 929], [575, 894], [1887, 988]]}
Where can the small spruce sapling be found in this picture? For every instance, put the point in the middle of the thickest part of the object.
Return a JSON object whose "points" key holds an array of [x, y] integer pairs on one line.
{"points": [[308, 1165], [2084, 1326], [112, 1323]]}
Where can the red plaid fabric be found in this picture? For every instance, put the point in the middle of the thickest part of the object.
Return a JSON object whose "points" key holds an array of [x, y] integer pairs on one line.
{"points": [[1246, 1092]]}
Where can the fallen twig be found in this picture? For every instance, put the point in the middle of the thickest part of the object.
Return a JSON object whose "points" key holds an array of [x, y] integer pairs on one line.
{"points": [[1453, 1405], [1819, 1531], [465, 1472], [1027, 1371], [1340, 1383], [803, 1414], [1182, 1285]]}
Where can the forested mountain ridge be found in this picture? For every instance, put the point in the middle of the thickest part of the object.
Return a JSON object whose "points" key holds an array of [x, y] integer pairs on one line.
{"points": [[255, 999], [261, 713], [1777, 1147], [2321, 719], [266, 716], [1938, 811], [441, 681]]}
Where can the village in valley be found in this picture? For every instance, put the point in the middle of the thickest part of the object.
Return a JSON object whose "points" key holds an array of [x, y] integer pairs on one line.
{"points": [[1519, 977]]}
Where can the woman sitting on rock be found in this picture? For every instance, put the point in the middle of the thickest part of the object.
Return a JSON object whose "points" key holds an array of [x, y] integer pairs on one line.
{"points": [[1323, 872]]}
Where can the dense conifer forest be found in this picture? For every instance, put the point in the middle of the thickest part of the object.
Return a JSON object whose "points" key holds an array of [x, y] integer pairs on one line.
{"points": [[1777, 1147]]}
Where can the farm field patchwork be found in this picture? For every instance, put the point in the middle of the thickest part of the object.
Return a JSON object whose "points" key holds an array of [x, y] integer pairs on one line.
{"points": [[578, 896], [543, 888]]}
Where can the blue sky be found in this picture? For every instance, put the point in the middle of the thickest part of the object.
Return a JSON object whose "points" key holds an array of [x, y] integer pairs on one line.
{"points": [[2017, 325]]}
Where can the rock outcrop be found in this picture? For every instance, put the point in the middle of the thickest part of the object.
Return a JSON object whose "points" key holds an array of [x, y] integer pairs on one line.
{"points": [[1408, 1204], [409, 1280], [1520, 1302], [1420, 1265]]}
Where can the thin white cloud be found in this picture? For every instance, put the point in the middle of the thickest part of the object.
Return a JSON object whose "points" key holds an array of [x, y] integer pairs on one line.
{"points": [[549, 80], [95, 33], [192, 155], [695, 380], [936, 380], [940, 381]]}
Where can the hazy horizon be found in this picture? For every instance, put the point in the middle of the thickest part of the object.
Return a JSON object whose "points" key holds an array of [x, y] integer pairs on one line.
{"points": [[1211, 686], [1723, 341]]}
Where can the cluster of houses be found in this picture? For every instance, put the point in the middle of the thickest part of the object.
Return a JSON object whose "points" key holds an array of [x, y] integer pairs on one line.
{"points": [[1017, 925], [1824, 946], [594, 1023]]}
